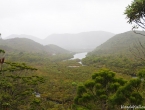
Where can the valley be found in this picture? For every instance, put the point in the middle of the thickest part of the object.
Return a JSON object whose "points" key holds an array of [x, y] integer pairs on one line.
{"points": [[64, 71], [72, 42], [72, 55]]}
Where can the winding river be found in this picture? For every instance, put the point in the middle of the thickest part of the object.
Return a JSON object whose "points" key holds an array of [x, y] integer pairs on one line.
{"points": [[78, 56]]}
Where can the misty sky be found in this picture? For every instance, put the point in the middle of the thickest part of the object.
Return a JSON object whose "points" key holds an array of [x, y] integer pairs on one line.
{"points": [[41, 18]]}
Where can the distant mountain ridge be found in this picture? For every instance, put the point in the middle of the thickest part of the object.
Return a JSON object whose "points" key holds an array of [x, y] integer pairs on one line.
{"points": [[72, 42], [25, 36], [27, 45], [84, 40]]}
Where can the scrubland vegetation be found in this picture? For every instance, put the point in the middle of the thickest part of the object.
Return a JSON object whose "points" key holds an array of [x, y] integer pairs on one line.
{"points": [[36, 77]]}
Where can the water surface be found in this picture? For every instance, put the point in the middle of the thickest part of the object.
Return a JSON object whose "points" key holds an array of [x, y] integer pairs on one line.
{"points": [[79, 56]]}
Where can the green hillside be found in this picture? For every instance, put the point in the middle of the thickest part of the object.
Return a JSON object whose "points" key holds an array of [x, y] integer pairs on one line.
{"points": [[120, 44], [27, 45], [61, 82], [122, 53], [54, 49], [22, 44]]}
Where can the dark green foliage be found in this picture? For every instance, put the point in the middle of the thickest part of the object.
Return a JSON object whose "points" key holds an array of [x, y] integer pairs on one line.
{"points": [[106, 92], [136, 98], [2, 51], [141, 74], [96, 92], [128, 94], [17, 85], [135, 13]]}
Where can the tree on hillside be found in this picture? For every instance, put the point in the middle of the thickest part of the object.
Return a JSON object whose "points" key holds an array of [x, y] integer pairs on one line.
{"points": [[17, 85], [135, 13], [96, 92], [106, 92], [129, 94]]}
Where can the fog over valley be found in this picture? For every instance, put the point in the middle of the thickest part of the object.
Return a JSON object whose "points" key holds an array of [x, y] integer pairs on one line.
{"points": [[85, 41], [73, 25]]}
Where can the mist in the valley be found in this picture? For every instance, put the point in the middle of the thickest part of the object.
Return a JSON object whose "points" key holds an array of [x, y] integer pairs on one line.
{"points": [[85, 41], [73, 25]]}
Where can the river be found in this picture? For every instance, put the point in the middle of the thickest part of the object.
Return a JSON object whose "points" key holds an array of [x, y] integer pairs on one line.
{"points": [[79, 56]]}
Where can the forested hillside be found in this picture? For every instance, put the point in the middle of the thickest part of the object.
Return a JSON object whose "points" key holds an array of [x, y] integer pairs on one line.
{"points": [[124, 53], [62, 84], [111, 77], [120, 44], [27, 45], [80, 42]]}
